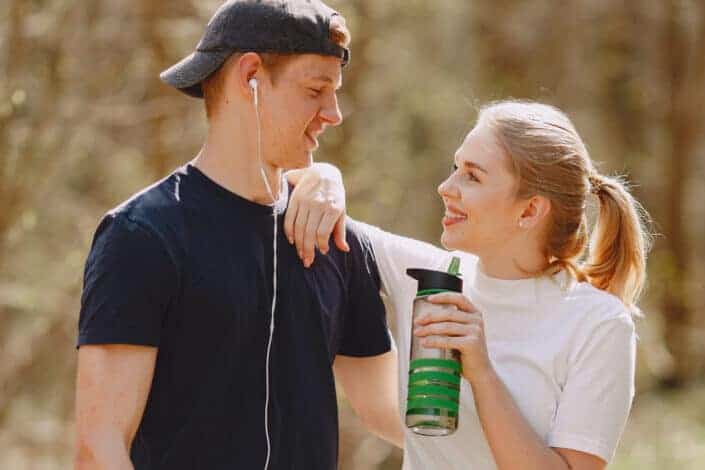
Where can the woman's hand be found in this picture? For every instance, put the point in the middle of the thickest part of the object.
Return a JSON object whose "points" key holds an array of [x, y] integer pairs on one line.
{"points": [[456, 324], [316, 210]]}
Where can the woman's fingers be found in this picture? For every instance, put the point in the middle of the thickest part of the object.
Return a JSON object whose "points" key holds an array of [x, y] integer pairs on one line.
{"points": [[461, 343], [290, 218], [339, 233], [300, 231], [324, 230], [316, 206], [443, 313], [443, 328], [452, 298], [308, 243]]}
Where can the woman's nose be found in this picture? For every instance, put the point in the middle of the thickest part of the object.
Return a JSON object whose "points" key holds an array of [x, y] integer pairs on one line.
{"points": [[446, 188]]}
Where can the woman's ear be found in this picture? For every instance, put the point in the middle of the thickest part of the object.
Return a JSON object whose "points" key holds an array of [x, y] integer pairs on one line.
{"points": [[535, 211]]}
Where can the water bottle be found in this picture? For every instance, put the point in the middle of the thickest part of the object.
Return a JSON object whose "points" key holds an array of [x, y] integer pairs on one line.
{"points": [[434, 374]]}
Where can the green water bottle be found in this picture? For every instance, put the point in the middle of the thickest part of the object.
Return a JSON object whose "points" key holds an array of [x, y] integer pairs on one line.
{"points": [[434, 374]]}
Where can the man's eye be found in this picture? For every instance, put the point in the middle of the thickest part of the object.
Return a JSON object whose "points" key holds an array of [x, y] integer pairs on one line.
{"points": [[314, 91]]}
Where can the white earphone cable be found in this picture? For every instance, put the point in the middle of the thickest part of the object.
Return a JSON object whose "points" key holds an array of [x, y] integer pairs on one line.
{"points": [[253, 85]]}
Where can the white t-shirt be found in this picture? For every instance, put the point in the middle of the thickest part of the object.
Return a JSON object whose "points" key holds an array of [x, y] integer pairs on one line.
{"points": [[566, 352]]}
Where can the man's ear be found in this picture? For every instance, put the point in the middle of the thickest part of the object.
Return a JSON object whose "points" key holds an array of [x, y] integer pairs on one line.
{"points": [[246, 67]]}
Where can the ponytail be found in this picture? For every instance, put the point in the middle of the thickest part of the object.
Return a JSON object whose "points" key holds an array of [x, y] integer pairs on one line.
{"points": [[550, 159], [619, 243]]}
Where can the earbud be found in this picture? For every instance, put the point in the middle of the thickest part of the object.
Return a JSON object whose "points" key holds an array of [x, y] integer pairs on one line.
{"points": [[253, 87]]}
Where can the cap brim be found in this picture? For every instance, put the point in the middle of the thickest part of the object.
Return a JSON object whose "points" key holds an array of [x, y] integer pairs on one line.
{"points": [[188, 74]]}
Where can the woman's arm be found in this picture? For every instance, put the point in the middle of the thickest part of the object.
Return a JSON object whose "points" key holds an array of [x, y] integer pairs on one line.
{"points": [[316, 210], [514, 443]]}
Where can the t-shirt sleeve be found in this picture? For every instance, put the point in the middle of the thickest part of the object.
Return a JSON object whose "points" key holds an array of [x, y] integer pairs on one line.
{"points": [[598, 392], [129, 283], [365, 330], [395, 254]]}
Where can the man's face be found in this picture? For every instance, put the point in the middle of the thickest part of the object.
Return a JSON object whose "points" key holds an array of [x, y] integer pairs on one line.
{"points": [[298, 107]]}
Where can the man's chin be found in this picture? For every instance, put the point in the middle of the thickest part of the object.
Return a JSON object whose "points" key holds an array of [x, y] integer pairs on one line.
{"points": [[298, 163]]}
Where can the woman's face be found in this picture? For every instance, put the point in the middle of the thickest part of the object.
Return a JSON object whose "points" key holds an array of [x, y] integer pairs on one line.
{"points": [[482, 213]]}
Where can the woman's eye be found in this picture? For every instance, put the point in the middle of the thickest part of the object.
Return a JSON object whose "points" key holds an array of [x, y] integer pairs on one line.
{"points": [[469, 174]]}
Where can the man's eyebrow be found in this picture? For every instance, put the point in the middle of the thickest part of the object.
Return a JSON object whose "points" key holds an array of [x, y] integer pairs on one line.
{"points": [[326, 79], [323, 78]]}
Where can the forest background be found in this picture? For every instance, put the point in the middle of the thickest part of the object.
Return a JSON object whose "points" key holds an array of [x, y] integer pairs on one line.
{"points": [[85, 123]]}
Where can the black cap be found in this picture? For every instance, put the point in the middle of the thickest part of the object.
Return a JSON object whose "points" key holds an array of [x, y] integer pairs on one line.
{"points": [[430, 280], [278, 26]]}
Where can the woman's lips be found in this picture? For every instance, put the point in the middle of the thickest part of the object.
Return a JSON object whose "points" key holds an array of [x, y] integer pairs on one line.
{"points": [[452, 218]]}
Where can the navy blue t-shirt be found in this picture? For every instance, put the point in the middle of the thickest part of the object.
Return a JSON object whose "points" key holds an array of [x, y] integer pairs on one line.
{"points": [[186, 266]]}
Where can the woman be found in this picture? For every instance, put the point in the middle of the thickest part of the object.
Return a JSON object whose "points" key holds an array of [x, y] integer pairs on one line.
{"points": [[544, 327]]}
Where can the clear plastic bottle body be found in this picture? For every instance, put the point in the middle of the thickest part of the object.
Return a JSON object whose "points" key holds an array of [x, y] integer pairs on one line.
{"points": [[434, 384]]}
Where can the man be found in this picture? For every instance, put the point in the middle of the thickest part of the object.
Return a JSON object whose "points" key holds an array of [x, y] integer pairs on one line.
{"points": [[195, 352]]}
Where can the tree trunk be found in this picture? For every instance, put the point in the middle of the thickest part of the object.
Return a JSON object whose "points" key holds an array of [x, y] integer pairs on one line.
{"points": [[681, 126], [156, 153]]}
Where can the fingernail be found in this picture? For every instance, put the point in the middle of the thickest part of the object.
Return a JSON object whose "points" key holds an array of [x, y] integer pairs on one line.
{"points": [[291, 241]]}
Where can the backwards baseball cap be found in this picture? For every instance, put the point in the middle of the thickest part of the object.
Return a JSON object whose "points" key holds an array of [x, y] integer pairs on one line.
{"points": [[276, 26]]}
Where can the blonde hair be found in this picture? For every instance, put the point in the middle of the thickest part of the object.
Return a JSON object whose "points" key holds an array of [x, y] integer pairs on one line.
{"points": [[550, 159]]}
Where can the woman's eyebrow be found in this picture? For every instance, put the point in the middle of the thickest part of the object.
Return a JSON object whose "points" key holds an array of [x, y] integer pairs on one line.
{"points": [[472, 165]]}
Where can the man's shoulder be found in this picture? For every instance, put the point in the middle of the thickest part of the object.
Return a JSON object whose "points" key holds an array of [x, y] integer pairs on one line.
{"points": [[154, 205], [155, 213]]}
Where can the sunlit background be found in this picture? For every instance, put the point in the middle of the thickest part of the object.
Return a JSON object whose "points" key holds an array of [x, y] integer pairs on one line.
{"points": [[85, 122]]}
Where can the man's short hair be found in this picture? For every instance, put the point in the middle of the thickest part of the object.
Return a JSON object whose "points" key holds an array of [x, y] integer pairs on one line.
{"points": [[273, 62]]}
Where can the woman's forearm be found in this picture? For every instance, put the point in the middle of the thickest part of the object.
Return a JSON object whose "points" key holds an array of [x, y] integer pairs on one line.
{"points": [[514, 444]]}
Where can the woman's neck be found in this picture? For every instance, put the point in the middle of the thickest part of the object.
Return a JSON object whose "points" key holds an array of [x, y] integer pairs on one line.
{"points": [[512, 264]]}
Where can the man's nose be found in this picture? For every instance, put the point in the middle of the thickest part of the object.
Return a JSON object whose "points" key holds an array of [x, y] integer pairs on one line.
{"points": [[330, 113]]}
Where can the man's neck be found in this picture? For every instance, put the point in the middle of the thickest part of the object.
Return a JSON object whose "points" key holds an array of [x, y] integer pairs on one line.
{"points": [[232, 162]]}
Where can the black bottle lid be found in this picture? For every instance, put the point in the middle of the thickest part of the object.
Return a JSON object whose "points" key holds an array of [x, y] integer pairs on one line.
{"points": [[434, 282]]}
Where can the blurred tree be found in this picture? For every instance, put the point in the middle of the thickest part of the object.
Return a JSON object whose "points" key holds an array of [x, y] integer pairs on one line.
{"points": [[85, 122], [156, 154], [684, 73]]}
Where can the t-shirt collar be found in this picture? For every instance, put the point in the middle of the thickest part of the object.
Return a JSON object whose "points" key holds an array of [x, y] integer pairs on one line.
{"points": [[232, 199]]}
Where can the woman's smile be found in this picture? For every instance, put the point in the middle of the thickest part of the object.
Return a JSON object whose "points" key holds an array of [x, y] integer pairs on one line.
{"points": [[453, 217]]}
